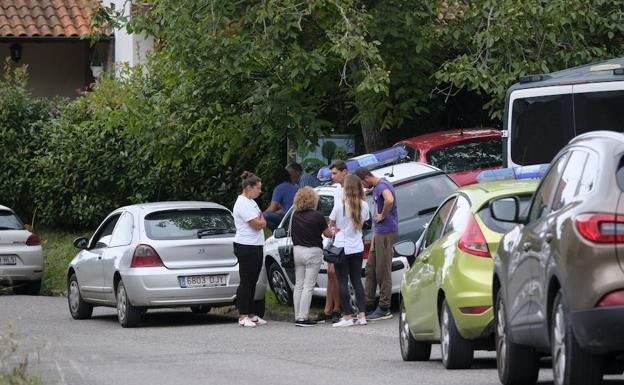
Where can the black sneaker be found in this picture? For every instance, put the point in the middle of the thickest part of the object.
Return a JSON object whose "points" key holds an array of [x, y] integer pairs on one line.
{"points": [[321, 318], [336, 317], [305, 323]]}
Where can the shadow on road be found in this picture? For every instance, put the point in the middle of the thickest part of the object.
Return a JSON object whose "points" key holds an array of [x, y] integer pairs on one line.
{"points": [[171, 318]]}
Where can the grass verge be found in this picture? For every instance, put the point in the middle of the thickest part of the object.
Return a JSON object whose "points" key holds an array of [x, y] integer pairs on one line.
{"points": [[14, 364], [58, 250]]}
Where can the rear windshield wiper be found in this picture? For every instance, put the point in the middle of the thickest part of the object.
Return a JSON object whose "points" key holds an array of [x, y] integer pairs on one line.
{"points": [[7, 228], [427, 211], [213, 231]]}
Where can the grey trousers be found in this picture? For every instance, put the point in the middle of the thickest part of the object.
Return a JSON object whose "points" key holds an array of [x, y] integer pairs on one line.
{"points": [[307, 265], [379, 269]]}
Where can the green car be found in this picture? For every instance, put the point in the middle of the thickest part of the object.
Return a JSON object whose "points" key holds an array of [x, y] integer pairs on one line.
{"points": [[446, 296]]}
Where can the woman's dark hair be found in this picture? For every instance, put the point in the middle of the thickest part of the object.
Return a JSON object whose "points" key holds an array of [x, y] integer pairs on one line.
{"points": [[249, 179]]}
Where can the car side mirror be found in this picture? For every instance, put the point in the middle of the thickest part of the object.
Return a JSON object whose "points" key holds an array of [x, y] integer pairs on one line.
{"points": [[505, 209], [404, 248], [279, 233], [81, 243]]}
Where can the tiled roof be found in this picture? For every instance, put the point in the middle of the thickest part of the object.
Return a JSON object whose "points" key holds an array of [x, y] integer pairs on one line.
{"points": [[45, 18]]}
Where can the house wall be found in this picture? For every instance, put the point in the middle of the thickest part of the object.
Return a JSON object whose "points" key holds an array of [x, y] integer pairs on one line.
{"points": [[54, 67], [130, 48]]}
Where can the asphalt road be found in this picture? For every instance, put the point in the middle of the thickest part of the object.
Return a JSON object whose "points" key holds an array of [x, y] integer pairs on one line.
{"points": [[177, 347]]}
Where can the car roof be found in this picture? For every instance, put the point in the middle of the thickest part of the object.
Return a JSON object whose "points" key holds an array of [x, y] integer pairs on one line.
{"points": [[592, 135], [482, 193], [442, 138], [173, 205], [582, 73], [405, 171], [5, 208]]}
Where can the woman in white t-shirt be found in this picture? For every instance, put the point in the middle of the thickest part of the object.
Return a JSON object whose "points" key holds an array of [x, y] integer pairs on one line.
{"points": [[348, 216], [248, 244]]}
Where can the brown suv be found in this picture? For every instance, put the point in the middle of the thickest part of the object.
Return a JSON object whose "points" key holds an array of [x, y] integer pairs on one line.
{"points": [[559, 274]]}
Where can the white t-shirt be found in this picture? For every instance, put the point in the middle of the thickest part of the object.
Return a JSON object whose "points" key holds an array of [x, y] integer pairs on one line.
{"points": [[348, 237], [246, 209]]}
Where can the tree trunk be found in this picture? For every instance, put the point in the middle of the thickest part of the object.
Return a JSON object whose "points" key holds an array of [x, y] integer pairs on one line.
{"points": [[374, 138]]}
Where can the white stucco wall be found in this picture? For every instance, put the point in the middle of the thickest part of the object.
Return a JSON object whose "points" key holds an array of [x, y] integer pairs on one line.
{"points": [[55, 68], [131, 49]]}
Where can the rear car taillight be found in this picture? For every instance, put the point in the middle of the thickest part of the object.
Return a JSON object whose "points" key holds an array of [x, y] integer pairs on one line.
{"points": [[33, 240], [615, 298], [600, 227], [367, 245], [472, 240], [145, 256], [474, 309]]}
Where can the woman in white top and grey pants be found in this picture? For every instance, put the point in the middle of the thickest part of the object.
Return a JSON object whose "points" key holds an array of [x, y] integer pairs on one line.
{"points": [[248, 244], [349, 216]]}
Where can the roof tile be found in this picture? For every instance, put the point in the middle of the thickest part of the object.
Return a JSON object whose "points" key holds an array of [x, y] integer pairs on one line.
{"points": [[52, 18]]}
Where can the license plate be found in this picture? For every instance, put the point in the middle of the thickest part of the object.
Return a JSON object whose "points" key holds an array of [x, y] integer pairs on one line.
{"points": [[204, 280], [8, 260]]}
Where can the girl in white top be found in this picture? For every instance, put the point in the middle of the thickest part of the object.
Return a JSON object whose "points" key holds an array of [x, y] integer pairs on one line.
{"points": [[248, 243], [348, 217]]}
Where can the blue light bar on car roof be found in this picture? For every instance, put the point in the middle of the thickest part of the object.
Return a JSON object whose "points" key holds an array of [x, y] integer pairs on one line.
{"points": [[520, 172], [371, 161]]}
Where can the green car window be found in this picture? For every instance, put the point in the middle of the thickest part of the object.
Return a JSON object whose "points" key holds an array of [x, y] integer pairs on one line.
{"points": [[434, 231]]}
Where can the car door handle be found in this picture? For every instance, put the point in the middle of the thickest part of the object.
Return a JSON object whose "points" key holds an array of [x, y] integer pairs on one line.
{"points": [[526, 246], [548, 237]]}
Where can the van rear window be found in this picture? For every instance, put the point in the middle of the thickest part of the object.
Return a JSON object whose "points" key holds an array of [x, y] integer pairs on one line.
{"points": [[543, 125]]}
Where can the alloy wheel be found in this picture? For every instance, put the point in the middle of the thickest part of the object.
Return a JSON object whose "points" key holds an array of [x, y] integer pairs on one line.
{"points": [[403, 332], [74, 296], [500, 336], [280, 286], [121, 302], [559, 346], [444, 334]]}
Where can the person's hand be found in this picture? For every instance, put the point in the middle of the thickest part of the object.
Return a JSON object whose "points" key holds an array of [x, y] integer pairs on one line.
{"points": [[378, 218]]}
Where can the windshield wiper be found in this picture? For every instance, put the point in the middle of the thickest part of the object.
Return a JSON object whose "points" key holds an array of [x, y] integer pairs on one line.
{"points": [[7, 228], [213, 231]]}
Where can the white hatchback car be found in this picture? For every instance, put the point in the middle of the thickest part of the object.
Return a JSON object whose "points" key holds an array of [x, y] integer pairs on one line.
{"points": [[21, 256], [419, 187], [156, 255]]}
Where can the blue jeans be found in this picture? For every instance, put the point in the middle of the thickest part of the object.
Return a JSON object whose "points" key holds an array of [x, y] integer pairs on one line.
{"points": [[273, 219]]}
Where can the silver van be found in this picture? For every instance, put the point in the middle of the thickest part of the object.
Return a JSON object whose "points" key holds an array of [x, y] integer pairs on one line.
{"points": [[543, 112]]}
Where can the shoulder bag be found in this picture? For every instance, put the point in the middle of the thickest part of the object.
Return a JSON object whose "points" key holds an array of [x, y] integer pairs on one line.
{"points": [[334, 254], [287, 259]]}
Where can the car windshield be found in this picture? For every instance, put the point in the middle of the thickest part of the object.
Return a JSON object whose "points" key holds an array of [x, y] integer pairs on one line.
{"points": [[188, 224], [498, 226], [555, 119], [420, 197], [468, 156], [9, 221]]}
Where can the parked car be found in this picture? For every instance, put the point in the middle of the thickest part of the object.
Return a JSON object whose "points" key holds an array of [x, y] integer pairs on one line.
{"points": [[446, 296], [558, 274], [155, 255], [21, 256], [419, 188], [461, 153], [558, 106]]}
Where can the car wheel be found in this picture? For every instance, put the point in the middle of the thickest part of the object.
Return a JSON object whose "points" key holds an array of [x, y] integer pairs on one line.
{"points": [[127, 314], [78, 308], [259, 307], [30, 288], [411, 350], [200, 309], [517, 364], [457, 352], [571, 364], [279, 285]]}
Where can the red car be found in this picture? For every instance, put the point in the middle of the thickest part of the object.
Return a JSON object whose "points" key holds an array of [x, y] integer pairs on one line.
{"points": [[461, 153]]}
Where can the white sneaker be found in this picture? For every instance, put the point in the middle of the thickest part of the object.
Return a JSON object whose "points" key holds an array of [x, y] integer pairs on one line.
{"points": [[361, 321], [258, 321], [246, 322], [343, 323]]}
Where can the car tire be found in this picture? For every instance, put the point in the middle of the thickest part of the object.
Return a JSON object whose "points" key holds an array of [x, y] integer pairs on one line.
{"points": [[571, 364], [457, 352], [260, 307], [27, 288], [200, 309], [279, 285], [411, 350], [516, 364], [78, 308], [128, 315]]}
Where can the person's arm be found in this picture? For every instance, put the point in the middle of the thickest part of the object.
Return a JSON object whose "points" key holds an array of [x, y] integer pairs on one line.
{"points": [[258, 222], [273, 207], [388, 202]]}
